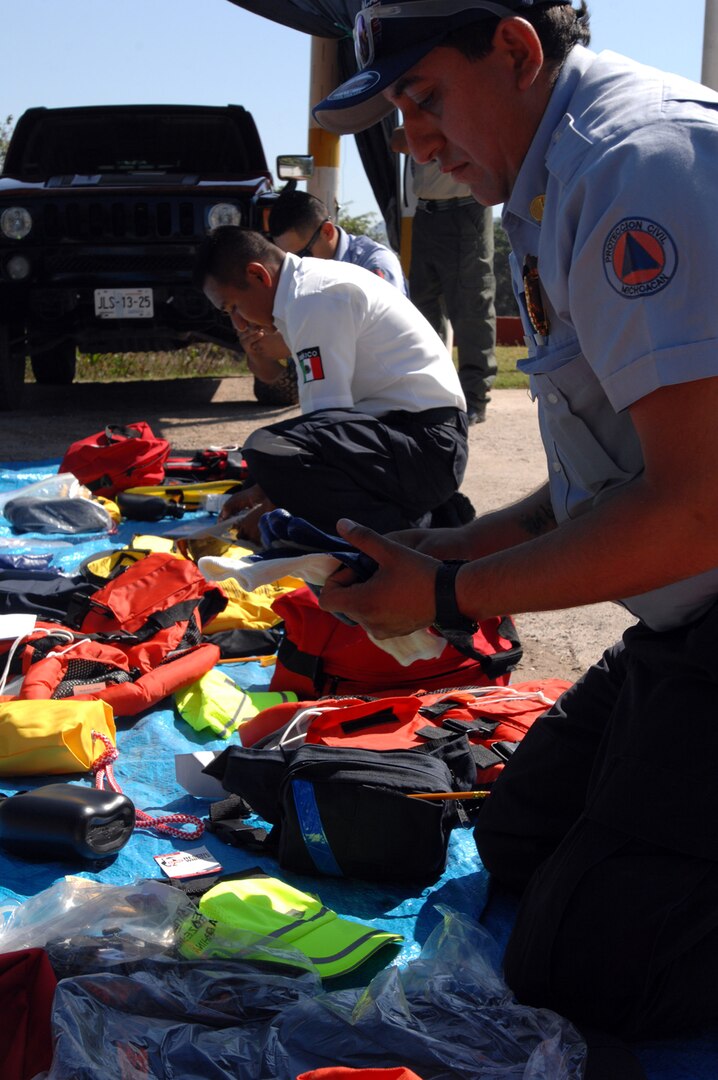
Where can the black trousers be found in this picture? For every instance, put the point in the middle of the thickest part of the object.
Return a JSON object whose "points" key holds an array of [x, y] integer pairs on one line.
{"points": [[386, 472], [607, 818]]}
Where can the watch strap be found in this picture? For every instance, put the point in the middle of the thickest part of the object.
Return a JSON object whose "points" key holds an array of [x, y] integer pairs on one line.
{"points": [[448, 616]]}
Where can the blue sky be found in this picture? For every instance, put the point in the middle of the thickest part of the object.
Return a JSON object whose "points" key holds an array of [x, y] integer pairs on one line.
{"points": [[84, 52]]}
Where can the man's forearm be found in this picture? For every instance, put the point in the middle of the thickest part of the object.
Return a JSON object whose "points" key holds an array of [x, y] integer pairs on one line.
{"points": [[500, 529], [634, 541], [511, 525]]}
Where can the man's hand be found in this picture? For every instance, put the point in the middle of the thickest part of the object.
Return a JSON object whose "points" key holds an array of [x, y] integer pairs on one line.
{"points": [[264, 350], [253, 500], [397, 599]]}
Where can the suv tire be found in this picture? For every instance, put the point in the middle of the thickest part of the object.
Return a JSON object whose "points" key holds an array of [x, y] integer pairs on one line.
{"points": [[282, 392], [56, 366]]}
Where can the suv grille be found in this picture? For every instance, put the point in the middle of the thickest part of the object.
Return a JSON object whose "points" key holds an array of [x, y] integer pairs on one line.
{"points": [[112, 219], [174, 263]]}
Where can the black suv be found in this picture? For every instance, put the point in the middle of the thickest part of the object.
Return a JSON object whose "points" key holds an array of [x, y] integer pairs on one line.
{"points": [[102, 209]]}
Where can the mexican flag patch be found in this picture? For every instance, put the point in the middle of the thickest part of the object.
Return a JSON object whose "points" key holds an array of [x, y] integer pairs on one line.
{"points": [[310, 362]]}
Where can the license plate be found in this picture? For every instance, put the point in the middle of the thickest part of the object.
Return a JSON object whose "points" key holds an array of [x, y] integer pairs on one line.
{"points": [[124, 304]]}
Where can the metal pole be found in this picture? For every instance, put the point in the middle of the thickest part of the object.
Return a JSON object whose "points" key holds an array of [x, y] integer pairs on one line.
{"points": [[324, 145], [709, 76]]}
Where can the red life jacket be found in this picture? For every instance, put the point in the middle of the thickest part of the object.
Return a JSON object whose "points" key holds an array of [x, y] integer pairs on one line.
{"points": [[495, 719], [138, 640], [322, 655]]}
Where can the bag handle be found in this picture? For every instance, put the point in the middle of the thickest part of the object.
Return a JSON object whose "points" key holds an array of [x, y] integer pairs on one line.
{"points": [[116, 432], [495, 664]]}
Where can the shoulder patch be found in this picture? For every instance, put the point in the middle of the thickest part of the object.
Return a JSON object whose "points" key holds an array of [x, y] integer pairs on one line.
{"points": [[639, 257], [310, 364]]}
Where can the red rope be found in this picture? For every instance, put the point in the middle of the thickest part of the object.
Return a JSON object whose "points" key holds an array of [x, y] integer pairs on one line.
{"points": [[102, 768]]}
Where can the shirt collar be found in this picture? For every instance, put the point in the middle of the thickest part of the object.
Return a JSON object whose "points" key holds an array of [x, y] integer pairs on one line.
{"points": [[533, 174], [342, 246], [290, 265]]}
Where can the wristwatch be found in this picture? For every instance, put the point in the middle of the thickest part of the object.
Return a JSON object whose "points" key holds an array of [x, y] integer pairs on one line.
{"points": [[448, 616]]}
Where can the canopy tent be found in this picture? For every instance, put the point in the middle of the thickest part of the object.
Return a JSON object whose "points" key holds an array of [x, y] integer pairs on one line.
{"points": [[334, 19]]}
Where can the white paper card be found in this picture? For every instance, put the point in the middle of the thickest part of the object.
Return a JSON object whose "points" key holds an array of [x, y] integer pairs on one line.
{"points": [[186, 864]]}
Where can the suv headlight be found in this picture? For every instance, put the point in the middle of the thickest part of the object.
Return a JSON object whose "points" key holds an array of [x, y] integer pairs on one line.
{"points": [[223, 214], [15, 222], [17, 268]]}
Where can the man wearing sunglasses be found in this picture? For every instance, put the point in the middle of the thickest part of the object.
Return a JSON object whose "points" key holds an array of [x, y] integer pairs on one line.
{"points": [[300, 223], [606, 171]]}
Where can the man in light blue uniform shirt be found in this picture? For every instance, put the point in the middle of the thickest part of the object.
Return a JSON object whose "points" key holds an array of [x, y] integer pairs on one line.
{"points": [[300, 223], [606, 170]]}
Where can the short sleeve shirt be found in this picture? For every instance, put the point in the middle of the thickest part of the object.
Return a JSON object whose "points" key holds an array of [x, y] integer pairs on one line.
{"points": [[612, 222], [363, 251], [359, 343]]}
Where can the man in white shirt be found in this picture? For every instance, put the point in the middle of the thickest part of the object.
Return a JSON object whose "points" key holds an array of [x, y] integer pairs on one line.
{"points": [[383, 428]]}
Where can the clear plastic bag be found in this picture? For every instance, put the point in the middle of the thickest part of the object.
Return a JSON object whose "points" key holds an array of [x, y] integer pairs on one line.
{"points": [[55, 486], [132, 920], [87, 926], [447, 1015]]}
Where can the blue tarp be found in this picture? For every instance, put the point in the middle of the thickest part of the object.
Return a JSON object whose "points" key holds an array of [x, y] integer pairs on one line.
{"points": [[146, 773]]}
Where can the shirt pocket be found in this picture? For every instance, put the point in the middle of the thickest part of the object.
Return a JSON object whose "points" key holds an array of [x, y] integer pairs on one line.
{"points": [[590, 448]]}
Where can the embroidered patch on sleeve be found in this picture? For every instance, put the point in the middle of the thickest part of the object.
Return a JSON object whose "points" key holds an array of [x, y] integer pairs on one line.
{"points": [[310, 363], [639, 257]]}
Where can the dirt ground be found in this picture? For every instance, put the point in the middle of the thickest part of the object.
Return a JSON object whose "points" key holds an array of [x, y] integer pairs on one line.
{"points": [[506, 461]]}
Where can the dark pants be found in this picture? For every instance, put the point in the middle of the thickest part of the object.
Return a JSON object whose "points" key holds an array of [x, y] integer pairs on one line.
{"points": [[607, 818], [452, 277], [387, 472]]}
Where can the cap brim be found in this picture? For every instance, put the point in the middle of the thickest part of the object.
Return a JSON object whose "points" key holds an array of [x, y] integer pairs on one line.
{"points": [[359, 102], [346, 947]]}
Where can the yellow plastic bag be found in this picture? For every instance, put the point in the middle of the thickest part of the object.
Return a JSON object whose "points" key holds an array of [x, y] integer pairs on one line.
{"points": [[51, 737]]}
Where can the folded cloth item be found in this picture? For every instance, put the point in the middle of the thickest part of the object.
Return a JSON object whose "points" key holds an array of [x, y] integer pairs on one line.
{"points": [[315, 569], [26, 562], [216, 702], [293, 546], [251, 573], [282, 532]]}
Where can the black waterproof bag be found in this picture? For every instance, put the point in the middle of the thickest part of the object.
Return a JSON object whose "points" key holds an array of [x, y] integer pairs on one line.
{"points": [[346, 812]]}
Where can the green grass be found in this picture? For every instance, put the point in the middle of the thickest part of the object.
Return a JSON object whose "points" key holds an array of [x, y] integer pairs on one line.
{"points": [[508, 378], [196, 361], [211, 361]]}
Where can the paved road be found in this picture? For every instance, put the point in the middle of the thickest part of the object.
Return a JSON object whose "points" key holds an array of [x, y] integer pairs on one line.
{"points": [[506, 461]]}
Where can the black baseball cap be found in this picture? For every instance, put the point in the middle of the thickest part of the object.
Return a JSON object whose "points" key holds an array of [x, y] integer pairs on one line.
{"points": [[388, 40]]}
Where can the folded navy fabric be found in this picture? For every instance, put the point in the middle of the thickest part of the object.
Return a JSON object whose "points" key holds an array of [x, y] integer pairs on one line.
{"points": [[283, 534]]}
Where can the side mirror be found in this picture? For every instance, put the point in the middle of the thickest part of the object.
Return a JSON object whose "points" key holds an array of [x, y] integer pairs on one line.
{"points": [[295, 166]]}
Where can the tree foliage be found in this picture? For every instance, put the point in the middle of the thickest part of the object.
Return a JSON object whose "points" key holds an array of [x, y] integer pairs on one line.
{"points": [[362, 225], [6, 126]]}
